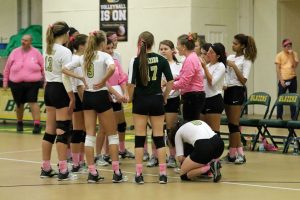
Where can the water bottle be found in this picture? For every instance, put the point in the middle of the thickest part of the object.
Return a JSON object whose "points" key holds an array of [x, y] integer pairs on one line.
{"points": [[296, 146], [261, 147]]}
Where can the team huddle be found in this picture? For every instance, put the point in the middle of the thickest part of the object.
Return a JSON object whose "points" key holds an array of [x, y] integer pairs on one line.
{"points": [[85, 84]]}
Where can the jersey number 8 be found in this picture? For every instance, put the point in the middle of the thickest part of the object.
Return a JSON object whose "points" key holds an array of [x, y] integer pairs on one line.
{"points": [[49, 63]]}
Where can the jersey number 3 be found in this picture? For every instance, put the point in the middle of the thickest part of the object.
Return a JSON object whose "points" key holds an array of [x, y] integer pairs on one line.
{"points": [[49, 63], [90, 71]]}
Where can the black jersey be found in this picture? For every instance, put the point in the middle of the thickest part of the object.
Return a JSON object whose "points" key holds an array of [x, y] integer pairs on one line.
{"points": [[157, 65]]}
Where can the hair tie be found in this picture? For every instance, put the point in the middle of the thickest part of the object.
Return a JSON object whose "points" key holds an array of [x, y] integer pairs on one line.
{"points": [[94, 33], [50, 26], [71, 38], [113, 37], [190, 37]]}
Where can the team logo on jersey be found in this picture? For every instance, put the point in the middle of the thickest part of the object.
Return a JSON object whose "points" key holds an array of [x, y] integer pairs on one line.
{"points": [[112, 1], [90, 71], [196, 122]]}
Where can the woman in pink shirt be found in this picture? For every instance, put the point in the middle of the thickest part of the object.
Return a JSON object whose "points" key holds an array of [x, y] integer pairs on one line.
{"points": [[190, 79], [23, 72]]}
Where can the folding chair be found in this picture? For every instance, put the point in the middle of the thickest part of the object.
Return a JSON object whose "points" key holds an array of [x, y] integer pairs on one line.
{"points": [[292, 137], [257, 98], [289, 99]]}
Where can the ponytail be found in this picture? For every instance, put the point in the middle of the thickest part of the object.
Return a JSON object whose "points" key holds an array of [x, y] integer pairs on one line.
{"points": [[143, 63], [49, 40], [93, 41], [250, 51], [146, 41]]}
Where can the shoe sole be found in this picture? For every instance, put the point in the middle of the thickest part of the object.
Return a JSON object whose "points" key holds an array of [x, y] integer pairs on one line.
{"points": [[162, 182], [217, 175]]}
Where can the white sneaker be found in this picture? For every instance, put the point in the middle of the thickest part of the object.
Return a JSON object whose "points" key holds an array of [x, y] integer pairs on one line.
{"points": [[146, 156], [240, 159], [100, 161]]}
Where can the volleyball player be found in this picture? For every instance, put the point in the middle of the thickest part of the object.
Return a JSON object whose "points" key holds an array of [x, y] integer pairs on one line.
{"points": [[207, 148], [59, 100], [148, 102], [213, 82], [77, 46], [98, 67], [167, 49], [238, 70]]}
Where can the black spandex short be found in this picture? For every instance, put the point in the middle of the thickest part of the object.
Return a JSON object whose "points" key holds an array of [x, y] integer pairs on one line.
{"points": [[234, 95], [98, 101], [206, 150], [56, 95], [214, 104], [151, 105]]}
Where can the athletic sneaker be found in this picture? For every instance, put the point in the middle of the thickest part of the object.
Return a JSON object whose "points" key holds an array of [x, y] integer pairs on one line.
{"points": [[107, 159], [152, 162], [48, 174], [146, 156], [163, 179], [207, 175], [67, 176], [228, 159], [78, 170], [240, 160], [139, 179], [126, 154], [37, 129], [20, 127], [100, 161], [171, 162], [215, 167], [177, 170], [119, 178], [94, 178]]}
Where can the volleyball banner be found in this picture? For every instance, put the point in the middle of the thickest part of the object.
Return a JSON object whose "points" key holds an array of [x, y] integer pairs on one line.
{"points": [[113, 17], [8, 106]]}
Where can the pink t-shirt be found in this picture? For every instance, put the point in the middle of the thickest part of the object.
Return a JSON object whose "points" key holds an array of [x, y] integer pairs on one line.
{"points": [[119, 77], [24, 66], [190, 78]]}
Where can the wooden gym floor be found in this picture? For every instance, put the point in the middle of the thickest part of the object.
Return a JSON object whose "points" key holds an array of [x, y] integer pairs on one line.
{"points": [[264, 176]]}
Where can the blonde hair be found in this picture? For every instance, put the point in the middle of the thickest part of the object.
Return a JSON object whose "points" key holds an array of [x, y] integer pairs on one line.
{"points": [[55, 30], [93, 41]]}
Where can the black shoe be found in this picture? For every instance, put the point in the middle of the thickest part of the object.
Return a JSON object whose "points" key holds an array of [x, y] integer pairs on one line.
{"points": [[48, 174], [163, 179], [184, 177], [37, 129], [76, 169], [107, 159], [215, 167], [118, 178], [94, 179], [66, 176], [139, 179], [20, 127]]}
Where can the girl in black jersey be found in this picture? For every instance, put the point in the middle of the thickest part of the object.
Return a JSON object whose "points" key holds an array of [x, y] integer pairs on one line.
{"points": [[148, 102]]}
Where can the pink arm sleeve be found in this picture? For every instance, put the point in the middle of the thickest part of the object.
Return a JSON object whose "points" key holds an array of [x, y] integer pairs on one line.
{"points": [[185, 76], [123, 77]]}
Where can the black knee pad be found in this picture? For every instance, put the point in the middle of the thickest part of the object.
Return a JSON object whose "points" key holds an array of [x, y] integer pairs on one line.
{"points": [[76, 136], [83, 135], [63, 125], [63, 138], [139, 141], [49, 138], [122, 127], [159, 142], [233, 128]]}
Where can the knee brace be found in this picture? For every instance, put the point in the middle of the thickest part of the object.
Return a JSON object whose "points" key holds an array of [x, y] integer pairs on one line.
{"points": [[113, 139], [63, 125], [233, 128], [139, 141], [90, 141], [83, 135], [122, 127], [76, 136], [159, 142], [49, 138]]}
